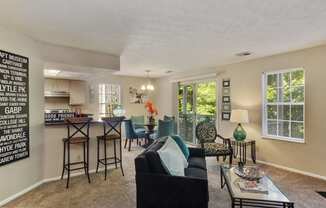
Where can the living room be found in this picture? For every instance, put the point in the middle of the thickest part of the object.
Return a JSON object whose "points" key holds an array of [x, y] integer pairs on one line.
{"points": [[238, 84]]}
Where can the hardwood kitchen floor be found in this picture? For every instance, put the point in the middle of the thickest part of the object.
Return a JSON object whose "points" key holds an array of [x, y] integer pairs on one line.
{"points": [[119, 191]]}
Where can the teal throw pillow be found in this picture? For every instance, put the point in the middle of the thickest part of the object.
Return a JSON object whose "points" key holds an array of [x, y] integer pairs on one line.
{"points": [[182, 145]]}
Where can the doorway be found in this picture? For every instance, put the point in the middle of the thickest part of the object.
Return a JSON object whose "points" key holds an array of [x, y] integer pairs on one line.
{"points": [[196, 103]]}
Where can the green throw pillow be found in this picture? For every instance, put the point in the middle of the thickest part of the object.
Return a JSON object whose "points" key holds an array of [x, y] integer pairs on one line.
{"points": [[182, 145]]}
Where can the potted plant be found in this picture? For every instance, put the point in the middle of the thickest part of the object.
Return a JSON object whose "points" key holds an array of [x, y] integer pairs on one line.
{"points": [[151, 110]]}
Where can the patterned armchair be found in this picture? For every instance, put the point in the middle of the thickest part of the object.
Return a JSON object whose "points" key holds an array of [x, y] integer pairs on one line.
{"points": [[206, 134]]}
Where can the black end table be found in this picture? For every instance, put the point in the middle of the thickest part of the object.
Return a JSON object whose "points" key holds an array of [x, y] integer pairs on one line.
{"points": [[240, 147]]}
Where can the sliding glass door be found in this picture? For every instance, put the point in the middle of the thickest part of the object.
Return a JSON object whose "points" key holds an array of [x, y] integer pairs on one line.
{"points": [[196, 103]]}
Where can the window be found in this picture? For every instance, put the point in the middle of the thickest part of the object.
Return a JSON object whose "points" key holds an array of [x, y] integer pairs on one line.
{"points": [[283, 105], [108, 94]]}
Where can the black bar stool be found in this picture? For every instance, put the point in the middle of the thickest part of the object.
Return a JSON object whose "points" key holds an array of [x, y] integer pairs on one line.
{"points": [[76, 126], [112, 132]]}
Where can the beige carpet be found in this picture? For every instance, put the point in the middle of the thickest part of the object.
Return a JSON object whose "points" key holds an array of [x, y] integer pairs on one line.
{"points": [[120, 192]]}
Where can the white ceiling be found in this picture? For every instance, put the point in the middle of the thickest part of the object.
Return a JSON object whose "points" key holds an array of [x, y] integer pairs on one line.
{"points": [[176, 35]]}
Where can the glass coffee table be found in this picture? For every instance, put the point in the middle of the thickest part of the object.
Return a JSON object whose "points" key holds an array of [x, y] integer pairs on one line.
{"points": [[273, 199]]}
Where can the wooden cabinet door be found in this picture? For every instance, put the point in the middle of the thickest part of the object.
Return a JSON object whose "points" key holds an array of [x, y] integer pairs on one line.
{"points": [[49, 85], [77, 92], [56, 85], [62, 85]]}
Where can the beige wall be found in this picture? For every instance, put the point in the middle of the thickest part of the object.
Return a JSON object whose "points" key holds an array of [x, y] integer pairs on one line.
{"points": [[165, 87], [125, 82], [246, 93], [19, 175]]}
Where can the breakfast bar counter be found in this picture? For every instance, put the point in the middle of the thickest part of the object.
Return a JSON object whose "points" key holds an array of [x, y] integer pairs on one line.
{"points": [[53, 148]]}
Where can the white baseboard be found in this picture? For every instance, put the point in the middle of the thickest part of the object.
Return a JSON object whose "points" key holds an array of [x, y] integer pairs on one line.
{"points": [[71, 175], [293, 170], [24, 191], [15, 196]]}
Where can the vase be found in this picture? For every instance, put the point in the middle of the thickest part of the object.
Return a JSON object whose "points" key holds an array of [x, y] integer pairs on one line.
{"points": [[239, 133]]}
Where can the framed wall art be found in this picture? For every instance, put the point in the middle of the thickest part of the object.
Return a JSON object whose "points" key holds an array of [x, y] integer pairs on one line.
{"points": [[226, 99]]}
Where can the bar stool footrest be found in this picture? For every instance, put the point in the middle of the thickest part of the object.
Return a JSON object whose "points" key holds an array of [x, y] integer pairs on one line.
{"points": [[109, 160], [75, 163]]}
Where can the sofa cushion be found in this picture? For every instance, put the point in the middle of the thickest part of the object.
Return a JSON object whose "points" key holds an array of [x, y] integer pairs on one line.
{"points": [[182, 145], [153, 159], [172, 158], [197, 162], [196, 173]]}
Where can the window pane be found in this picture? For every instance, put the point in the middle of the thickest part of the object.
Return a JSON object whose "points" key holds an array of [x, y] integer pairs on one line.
{"points": [[285, 80], [297, 112], [180, 99], [283, 128], [297, 94], [272, 80], [271, 95], [284, 94], [297, 130], [272, 111], [297, 78], [271, 127], [284, 112]]}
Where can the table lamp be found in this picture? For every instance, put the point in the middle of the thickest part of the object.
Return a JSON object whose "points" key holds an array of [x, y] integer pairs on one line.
{"points": [[239, 116]]}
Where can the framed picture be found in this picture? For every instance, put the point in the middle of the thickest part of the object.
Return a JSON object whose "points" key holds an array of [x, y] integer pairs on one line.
{"points": [[226, 107], [226, 99], [226, 116], [226, 83], [136, 96], [226, 91]]}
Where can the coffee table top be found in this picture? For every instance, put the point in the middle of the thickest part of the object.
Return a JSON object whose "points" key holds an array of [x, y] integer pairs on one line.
{"points": [[274, 194]]}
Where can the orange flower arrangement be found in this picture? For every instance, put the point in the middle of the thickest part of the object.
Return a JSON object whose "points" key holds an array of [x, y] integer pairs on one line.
{"points": [[151, 108]]}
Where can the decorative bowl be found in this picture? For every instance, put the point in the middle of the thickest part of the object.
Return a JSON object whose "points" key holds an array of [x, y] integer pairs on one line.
{"points": [[251, 173]]}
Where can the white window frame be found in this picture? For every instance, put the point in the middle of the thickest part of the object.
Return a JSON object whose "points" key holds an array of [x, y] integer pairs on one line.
{"points": [[109, 93], [264, 108]]}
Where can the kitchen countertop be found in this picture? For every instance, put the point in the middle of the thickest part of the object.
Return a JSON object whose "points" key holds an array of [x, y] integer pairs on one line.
{"points": [[63, 123], [98, 121]]}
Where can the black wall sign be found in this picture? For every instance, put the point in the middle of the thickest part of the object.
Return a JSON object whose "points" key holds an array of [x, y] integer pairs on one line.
{"points": [[14, 109]]}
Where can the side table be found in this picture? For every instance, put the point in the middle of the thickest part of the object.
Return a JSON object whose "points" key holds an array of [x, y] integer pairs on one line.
{"points": [[240, 147]]}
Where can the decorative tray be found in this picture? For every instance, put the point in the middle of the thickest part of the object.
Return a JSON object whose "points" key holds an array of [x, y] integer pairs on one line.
{"points": [[251, 173]]}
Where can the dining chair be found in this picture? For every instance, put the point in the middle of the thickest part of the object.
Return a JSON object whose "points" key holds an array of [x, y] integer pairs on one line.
{"points": [[138, 122], [165, 128], [132, 133], [171, 118]]}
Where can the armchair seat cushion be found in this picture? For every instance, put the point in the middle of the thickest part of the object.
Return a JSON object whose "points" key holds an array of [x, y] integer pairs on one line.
{"points": [[197, 162], [196, 173], [216, 149]]}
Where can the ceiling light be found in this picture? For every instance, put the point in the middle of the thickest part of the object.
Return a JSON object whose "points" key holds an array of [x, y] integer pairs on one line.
{"points": [[51, 72], [245, 53], [147, 87]]}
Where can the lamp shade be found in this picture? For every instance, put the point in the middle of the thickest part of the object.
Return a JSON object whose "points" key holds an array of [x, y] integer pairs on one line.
{"points": [[239, 116]]}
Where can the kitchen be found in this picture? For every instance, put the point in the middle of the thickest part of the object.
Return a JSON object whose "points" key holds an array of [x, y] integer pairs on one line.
{"points": [[81, 93]]}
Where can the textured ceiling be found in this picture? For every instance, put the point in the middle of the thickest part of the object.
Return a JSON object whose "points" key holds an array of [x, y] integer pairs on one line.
{"points": [[176, 35]]}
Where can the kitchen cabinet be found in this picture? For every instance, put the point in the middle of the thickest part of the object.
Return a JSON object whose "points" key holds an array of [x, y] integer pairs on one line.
{"points": [[56, 85], [77, 92]]}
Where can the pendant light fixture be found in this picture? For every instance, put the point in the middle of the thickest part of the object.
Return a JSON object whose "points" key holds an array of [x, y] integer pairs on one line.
{"points": [[147, 87]]}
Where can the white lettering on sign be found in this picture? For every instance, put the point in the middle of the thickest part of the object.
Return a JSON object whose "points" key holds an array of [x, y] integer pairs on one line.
{"points": [[14, 104]]}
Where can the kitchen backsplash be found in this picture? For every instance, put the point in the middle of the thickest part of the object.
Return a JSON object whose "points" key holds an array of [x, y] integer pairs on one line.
{"points": [[56, 103]]}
